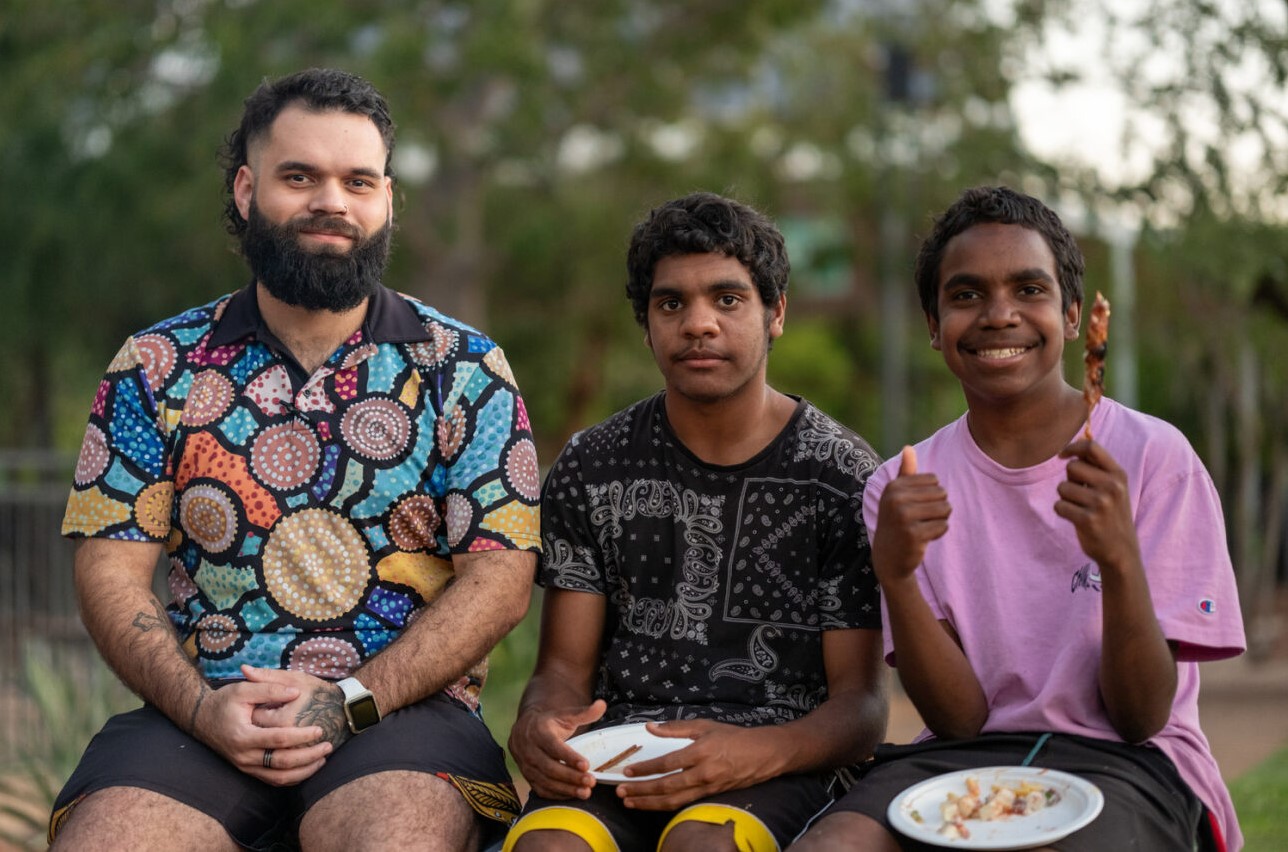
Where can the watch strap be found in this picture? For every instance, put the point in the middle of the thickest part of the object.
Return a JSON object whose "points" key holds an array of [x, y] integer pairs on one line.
{"points": [[360, 708]]}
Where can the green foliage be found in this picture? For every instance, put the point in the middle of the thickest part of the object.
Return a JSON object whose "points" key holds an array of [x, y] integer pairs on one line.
{"points": [[1261, 800], [509, 667], [810, 360], [547, 129], [120, 108], [67, 696]]}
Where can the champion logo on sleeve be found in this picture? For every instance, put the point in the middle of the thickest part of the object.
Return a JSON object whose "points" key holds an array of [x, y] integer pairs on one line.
{"points": [[1207, 606]]}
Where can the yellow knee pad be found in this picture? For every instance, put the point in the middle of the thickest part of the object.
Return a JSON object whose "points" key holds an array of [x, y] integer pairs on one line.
{"points": [[571, 820], [749, 833]]}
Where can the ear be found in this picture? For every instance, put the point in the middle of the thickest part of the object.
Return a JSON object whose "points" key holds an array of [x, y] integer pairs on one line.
{"points": [[933, 325], [244, 190], [777, 316], [1072, 319]]}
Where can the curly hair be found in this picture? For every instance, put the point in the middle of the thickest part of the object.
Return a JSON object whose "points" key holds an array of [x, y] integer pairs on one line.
{"points": [[703, 223], [317, 90], [983, 204]]}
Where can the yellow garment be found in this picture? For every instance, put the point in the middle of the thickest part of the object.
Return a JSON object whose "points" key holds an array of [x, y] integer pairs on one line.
{"points": [[578, 822], [749, 833]]}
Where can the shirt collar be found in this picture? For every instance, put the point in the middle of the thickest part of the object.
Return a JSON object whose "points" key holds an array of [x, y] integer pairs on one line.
{"points": [[390, 319]]}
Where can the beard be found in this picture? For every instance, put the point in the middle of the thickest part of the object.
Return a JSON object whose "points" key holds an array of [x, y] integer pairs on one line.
{"points": [[325, 280]]}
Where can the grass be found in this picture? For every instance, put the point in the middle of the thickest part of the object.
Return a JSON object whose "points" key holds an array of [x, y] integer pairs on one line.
{"points": [[1261, 800]]}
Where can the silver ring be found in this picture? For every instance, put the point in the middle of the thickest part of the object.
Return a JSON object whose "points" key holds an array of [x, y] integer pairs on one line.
{"points": [[268, 758]]}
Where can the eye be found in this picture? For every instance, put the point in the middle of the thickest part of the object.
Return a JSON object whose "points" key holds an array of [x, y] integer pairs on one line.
{"points": [[297, 179], [728, 300], [669, 304]]}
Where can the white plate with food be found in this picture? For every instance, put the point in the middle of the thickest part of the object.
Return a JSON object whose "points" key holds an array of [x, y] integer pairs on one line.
{"points": [[1014, 807], [610, 750]]}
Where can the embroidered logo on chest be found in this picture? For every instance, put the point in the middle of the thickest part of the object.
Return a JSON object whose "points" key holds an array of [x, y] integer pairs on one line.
{"points": [[1086, 577]]}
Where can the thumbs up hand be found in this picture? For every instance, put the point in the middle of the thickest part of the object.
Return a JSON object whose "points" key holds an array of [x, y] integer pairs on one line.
{"points": [[913, 512], [908, 462]]}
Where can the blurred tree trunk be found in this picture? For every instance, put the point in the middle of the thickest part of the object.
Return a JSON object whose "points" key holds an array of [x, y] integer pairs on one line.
{"points": [[587, 380], [1265, 631], [1246, 512]]}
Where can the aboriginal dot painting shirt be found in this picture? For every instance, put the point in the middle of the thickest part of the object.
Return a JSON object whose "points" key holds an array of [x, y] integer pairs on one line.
{"points": [[720, 580], [307, 518]]}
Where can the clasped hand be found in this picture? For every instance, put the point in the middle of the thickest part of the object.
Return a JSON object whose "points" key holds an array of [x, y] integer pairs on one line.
{"points": [[270, 711]]}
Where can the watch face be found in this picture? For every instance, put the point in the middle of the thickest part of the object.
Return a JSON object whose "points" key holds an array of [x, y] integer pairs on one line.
{"points": [[363, 713]]}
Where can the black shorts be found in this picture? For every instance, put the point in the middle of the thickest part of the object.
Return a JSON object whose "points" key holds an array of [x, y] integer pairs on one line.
{"points": [[1146, 801], [783, 806], [143, 748]]}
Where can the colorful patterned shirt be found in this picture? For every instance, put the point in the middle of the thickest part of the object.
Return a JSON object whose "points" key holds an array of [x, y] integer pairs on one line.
{"points": [[720, 580], [307, 518]]}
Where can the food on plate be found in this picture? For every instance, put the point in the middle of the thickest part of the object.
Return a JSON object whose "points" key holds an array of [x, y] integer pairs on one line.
{"points": [[1093, 384], [1003, 801], [617, 758]]}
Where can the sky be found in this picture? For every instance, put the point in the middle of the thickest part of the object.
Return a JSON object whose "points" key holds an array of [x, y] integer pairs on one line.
{"points": [[1092, 122]]}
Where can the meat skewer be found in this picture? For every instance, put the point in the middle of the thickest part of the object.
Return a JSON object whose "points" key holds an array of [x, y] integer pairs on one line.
{"points": [[1093, 384]]}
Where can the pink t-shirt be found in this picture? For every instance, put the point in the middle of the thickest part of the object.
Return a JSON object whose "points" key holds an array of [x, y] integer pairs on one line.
{"points": [[1012, 580]]}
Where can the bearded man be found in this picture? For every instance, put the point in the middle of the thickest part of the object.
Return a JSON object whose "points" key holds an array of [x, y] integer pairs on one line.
{"points": [[345, 484]]}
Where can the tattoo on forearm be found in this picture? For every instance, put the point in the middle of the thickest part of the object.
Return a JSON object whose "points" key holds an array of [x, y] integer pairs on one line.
{"points": [[325, 708], [158, 619], [192, 720], [146, 622]]}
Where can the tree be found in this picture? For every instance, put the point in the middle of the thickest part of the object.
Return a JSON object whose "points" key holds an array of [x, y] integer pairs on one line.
{"points": [[534, 133]]}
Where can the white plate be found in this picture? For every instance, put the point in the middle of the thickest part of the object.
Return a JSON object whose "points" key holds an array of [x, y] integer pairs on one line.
{"points": [[1080, 803], [606, 743]]}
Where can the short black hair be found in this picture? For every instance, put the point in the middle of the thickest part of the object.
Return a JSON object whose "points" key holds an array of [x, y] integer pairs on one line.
{"points": [[316, 89], [706, 223], [1000, 204]]}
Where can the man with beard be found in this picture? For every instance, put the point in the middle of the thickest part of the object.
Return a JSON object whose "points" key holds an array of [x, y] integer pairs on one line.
{"points": [[708, 593], [345, 484]]}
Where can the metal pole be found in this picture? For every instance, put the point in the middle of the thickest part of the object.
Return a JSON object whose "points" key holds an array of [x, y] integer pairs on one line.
{"points": [[1123, 371]]}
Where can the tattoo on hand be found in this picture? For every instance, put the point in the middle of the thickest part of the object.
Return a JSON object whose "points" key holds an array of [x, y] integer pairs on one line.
{"points": [[325, 708]]}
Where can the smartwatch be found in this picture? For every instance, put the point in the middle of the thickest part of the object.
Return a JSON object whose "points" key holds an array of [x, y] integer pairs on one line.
{"points": [[359, 705]]}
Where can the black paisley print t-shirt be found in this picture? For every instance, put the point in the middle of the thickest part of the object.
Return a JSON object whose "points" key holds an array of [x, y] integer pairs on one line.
{"points": [[720, 580]]}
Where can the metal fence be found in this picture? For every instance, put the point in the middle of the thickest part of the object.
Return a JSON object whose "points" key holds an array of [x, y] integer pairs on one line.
{"points": [[37, 599]]}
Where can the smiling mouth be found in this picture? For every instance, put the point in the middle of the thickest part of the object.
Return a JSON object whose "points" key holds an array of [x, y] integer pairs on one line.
{"points": [[999, 354], [326, 228]]}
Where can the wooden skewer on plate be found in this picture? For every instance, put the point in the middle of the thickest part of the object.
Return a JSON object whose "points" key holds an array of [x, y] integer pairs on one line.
{"points": [[616, 759]]}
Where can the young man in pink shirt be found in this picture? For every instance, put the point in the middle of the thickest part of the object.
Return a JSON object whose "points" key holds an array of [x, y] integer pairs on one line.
{"points": [[1058, 618]]}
